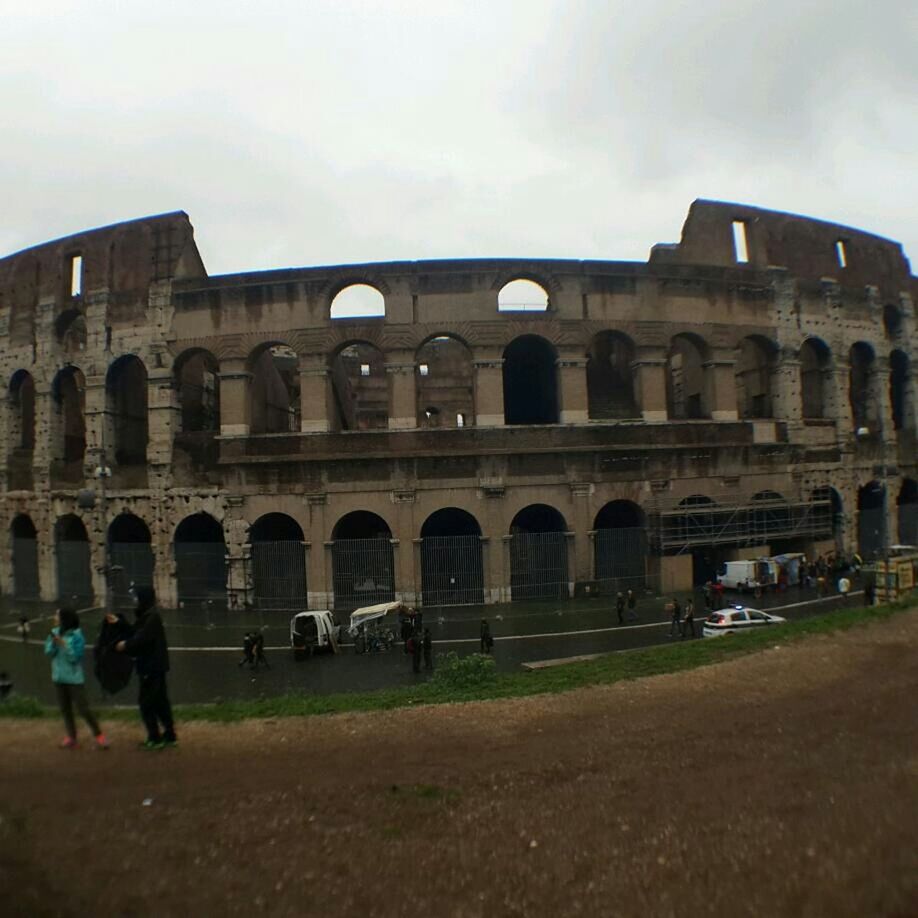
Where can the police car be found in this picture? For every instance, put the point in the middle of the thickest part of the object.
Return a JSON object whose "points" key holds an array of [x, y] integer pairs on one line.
{"points": [[737, 620]]}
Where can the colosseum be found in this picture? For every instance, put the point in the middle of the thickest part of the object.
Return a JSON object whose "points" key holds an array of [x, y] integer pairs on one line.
{"points": [[451, 432]]}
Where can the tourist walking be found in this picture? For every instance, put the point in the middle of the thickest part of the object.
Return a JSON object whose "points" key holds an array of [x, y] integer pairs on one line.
{"points": [[428, 649], [23, 629], [248, 650], [150, 651], [620, 607], [259, 648], [65, 646], [688, 622], [675, 619], [631, 603], [487, 640], [416, 649]]}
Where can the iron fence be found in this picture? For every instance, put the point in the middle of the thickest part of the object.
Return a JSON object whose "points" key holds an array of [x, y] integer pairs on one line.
{"points": [[25, 569], [130, 564], [451, 571], [200, 571], [74, 571], [363, 572], [538, 566], [871, 532], [908, 524], [620, 558], [279, 575]]}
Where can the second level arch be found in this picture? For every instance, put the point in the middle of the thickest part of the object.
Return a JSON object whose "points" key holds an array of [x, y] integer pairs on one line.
{"points": [[610, 377], [197, 383], [756, 358], [445, 380], [530, 378], [127, 423]]}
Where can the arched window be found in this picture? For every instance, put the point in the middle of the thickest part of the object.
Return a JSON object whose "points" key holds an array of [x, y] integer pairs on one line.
{"points": [[363, 564], [25, 557], [530, 381], [68, 429], [70, 330], [815, 378], [860, 386], [522, 296], [754, 368], [21, 431], [200, 560], [892, 320], [358, 301], [610, 379], [278, 563], [908, 512], [126, 397], [538, 554], [686, 389], [197, 381], [445, 382], [451, 563], [74, 570], [898, 390], [274, 390], [131, 556], [360, 388]]}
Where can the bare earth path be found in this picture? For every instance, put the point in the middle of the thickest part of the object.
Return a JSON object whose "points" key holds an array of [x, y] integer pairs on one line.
{"points": [[780, 784]]}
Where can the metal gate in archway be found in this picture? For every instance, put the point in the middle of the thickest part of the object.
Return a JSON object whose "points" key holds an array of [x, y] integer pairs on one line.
{"points": [[363, 572], [25, 568], [620, 557], [200, 571], [871, 535], [74, 570], [451, 571], [279, 575], [538, 565], [131, 564]]}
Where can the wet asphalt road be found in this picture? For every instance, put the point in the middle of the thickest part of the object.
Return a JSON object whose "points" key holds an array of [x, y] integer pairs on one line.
{"points": [[524, 632]]}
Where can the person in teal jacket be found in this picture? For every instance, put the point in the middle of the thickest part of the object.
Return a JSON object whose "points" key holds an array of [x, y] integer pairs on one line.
{"points": [[65, 645]]}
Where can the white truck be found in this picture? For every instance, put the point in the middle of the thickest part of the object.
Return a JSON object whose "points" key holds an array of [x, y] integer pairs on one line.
{"points": [[312, 631], [748, 576]]}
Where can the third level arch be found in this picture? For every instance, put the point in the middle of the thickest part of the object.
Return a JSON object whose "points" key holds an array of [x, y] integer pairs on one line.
{"points": [[610, 377], [756, 359], [358, 300], [274, 389], [530, 376], [815, 379], [687, 368], [445, 380], [197, 382]]}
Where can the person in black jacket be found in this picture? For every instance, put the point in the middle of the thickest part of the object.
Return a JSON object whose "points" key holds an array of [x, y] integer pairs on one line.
{"points": [[151, 658], [112, 669]]}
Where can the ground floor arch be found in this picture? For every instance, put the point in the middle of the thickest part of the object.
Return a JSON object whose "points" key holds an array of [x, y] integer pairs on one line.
{"points": [[538, 554], [278, 563], [363, 561], [200, 560], [908, 512], [24, 539], [871, 520], [452, 572], [620, 547], [130, 557], [73, 560]]}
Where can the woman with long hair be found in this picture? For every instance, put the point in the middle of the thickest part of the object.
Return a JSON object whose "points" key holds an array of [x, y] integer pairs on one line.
{"points": [[66, 645]]}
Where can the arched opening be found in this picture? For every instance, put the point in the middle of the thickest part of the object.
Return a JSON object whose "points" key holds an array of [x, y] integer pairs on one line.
{"points": [[522, 295], [530, 382], [25, 557], [755, 364], [829, 510], [278, 553], [70, 331], [200, 560], [274, 390], [445, 382], [538, 554], [892, 320], [360, 388], [126, 396], [130, 554], [197, 381], [620, 547], [451, 563], [908, 512], [610, 379], [898, 389], [686, 379], [72, 553], [358, 301], [815, 378], [21, 431], [862, 362], [871, 520], [363, 563], [68, 445]]}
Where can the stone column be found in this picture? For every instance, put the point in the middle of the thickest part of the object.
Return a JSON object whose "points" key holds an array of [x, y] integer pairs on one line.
{"points": [[318, 558], [649, 370], [234, 397], [720, 386], [573, 403], [489, 391], [165, 420], [407, 584], [581, 541], [41, 452], [403, 400], [315, 394]]}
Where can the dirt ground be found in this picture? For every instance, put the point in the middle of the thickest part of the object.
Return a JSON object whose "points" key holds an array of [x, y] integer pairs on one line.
{"points": [[781, 784]]}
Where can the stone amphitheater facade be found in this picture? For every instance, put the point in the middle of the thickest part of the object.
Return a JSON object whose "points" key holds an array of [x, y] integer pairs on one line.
{"points": [[746, 390]]}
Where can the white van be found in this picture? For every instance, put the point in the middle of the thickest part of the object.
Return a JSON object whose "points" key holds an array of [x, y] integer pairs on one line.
{"points": [[311, 631], [748, 575]]}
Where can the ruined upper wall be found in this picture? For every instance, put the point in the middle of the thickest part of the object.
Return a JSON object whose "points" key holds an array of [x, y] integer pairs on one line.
{"points": [[806, 247], [123, 259]]}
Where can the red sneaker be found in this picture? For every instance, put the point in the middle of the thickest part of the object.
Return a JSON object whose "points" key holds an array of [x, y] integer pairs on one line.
{"points": [[101, 741], [68, 742]]}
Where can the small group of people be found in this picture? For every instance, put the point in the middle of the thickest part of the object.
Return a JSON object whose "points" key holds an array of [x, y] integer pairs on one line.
{"points": [[681, 620], [486, 639], [713, 592], [120, 648], [420, 643], [253, 650], [626, 601]]}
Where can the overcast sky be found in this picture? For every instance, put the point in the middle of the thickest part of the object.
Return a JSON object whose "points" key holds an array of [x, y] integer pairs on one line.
{"points": [[329, 131]]}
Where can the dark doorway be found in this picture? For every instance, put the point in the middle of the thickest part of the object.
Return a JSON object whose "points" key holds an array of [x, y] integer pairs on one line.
{"points": [[451, 562], [620, 547], [815, 378], [278, 563], [25, 558], [538, 554], [74, 568], [530, 382], [908, 512], [126, 394], [130, 557], [363, 562], [871, 520], [200, 560], [898, 389]]}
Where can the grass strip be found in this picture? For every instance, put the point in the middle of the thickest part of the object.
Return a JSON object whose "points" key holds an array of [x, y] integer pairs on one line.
{"points": [[606, 670]]}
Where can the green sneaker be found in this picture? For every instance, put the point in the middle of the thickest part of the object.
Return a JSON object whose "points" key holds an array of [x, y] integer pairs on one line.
{"points": [[169, 744], [152, 745]]}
